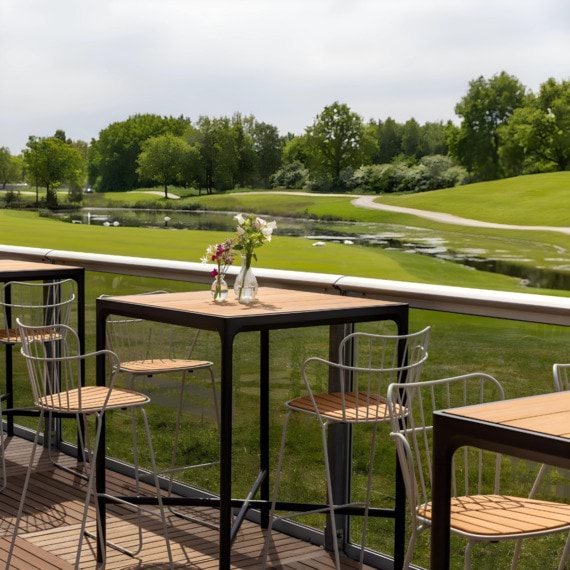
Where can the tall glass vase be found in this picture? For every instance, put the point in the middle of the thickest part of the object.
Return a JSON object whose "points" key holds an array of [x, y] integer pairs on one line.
{"points": [[245, 286]]}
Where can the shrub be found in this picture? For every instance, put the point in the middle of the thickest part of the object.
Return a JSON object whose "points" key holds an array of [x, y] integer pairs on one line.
{"points": [[293, 176]]}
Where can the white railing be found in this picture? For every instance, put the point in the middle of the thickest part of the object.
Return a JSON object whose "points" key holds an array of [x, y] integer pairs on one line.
{"points": [[545, 309]]}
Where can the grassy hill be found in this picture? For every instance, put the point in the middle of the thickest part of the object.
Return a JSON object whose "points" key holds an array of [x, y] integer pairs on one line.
{"points": [[539, 199]]}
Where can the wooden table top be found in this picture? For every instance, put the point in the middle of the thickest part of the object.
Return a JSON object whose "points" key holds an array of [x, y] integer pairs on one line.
{"points": [[270, 301], [546, 413], [16, 266]]}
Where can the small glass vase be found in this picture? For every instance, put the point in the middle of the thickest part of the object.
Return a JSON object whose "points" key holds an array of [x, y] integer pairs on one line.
{"points": [[245, 286], [219, 290]]}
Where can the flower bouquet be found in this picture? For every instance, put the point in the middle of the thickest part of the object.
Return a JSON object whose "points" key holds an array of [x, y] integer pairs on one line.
{"points": [[222, 255], [252, 232]]}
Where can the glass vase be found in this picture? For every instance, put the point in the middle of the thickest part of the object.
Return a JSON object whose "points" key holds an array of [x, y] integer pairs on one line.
{"points": [[245, 286], [219, 290]]}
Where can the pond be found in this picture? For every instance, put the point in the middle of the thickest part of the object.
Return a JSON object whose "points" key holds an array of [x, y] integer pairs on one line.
{"points": [[536, 264]]}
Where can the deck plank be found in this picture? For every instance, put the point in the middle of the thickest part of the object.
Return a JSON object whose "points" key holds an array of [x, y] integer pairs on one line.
{"points": [[50, 527]]}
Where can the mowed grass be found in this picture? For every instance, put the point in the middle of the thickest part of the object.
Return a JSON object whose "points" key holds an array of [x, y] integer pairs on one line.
{"points": [[540, 199]]}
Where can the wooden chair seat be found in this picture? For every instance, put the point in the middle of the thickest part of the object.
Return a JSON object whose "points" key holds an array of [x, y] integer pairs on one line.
{"points": [[162, 365], [500, 515], [92, 400], [358, 406], [12, 336]]}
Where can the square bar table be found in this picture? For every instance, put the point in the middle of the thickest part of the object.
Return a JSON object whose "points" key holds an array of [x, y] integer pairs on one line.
{"points": [[17, 270], [536, 428], [275, 309]]}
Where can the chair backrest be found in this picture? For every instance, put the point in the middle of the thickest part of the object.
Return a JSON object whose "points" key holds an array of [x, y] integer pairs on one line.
{"points": [[36, 304], [53, 358], [561, 379], [368, 364], [137, 339], [411, 408], [399, 357]]}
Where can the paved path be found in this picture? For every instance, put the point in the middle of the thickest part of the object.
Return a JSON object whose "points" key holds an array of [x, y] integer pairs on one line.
{"points": [[155, 193], [368, 202]]}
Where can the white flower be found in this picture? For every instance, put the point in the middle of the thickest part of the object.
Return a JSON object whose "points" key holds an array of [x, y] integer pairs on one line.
{"points": [[240, 219], [205, 259], [240, 231], [272, 225], [267, 233], [260, 223]]}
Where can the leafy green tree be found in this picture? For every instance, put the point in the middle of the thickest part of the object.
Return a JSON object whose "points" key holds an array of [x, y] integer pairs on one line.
{"points": [[164, 159], [218, 155], [487, 105], [336, 140], [50, 161], [536, 137], [268, 149], [296, 149], [241, 130], [9, 167], [433, 138], [389, 135], [113, 156], [411, 138]]}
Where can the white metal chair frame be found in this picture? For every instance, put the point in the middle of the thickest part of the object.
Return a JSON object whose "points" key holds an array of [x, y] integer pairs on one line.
{"points": [[37, 304], [380, 360], [411, 406], [132, 341], [54, 372]]}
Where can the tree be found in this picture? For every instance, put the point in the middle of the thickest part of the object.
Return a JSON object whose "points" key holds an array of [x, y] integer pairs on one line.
{"points": [[536, 137], [268, 148], [411, 138], [241, 131], [487, 105], [9, 167], [335, 140], [433, 138], [113, 156], [218, 156], [50, 161], [164, 159], [389, 135]]}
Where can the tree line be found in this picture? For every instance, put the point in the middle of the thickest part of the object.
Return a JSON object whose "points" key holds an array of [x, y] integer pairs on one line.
{"points": [[504, 130]]}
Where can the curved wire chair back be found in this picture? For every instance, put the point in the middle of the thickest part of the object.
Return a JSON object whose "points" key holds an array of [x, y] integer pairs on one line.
{"points": [[411, 408], [35, 304], [369, 363], [136, 340], [53, 359]]}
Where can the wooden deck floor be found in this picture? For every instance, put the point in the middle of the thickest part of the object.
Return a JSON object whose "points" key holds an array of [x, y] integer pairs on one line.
{"points": [[49, 532]]}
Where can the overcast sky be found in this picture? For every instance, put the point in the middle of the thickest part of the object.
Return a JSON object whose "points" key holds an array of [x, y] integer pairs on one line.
{"points": [[79, 65]]}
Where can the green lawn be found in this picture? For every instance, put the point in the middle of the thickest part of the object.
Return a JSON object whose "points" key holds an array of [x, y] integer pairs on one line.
{"points": [[536, 200]]}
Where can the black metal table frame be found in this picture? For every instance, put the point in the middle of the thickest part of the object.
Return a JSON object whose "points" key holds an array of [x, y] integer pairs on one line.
{"points": [[46, 274], [450, 432], [228, 328]]}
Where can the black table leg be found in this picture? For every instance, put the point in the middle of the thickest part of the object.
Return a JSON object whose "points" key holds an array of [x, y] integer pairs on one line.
{"points": [[226, 453], [441, 498], [264, 422]]}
